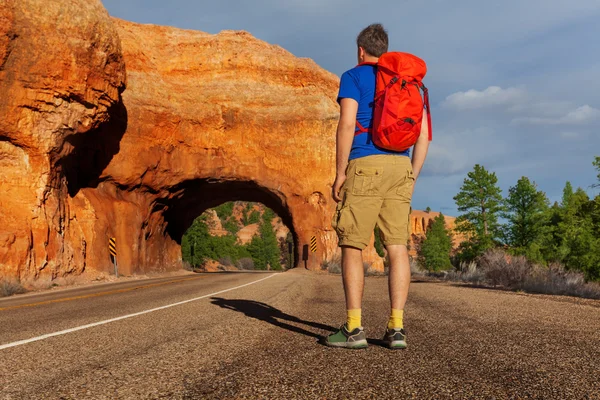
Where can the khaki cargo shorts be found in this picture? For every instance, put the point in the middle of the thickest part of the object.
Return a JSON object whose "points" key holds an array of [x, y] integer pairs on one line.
{"points": [[378, 190]]}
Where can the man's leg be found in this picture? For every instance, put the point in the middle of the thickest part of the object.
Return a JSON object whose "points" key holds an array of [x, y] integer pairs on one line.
{"points": [[354, 281], [399, 282], [395, 228], [351, 334]]}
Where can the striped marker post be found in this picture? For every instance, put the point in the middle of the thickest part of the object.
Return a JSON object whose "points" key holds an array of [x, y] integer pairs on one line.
{"points": [[112, 247], [313, 244]]}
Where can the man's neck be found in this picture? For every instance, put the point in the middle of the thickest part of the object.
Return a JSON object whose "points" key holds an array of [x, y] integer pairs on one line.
{"points": [[370, 59]]}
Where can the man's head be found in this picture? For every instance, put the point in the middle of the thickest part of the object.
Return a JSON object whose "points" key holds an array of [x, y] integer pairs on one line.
{"points": [[372, 42]]}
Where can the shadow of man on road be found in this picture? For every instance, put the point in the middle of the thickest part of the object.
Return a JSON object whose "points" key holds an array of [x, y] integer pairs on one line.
{"points": [[272, 315]]}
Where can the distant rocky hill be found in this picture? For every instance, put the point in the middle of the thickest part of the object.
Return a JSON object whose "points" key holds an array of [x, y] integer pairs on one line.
{"points": [[247, 229], [420, 221]]}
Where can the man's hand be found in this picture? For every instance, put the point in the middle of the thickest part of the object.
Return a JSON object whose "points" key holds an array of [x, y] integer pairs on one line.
{"points": [[337, 187]]}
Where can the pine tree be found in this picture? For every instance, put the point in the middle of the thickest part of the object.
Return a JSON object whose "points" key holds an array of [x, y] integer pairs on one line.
{"points": [[196, 244], [597, 165], [526, 212], [436, 247], [480, 201], [567, 195], [264, 247], [573, 238]]}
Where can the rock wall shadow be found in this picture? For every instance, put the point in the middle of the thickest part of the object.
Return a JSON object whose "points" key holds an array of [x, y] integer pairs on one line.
{"points": [[94, 150], [271, 315]]}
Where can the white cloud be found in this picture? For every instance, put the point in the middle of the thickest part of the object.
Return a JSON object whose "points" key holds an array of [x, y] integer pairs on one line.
{"points": [[456, 151], [582, 115], [493, 96]]}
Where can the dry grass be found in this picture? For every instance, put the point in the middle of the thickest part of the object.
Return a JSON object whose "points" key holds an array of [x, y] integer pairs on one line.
{"points": [[554, 279], [468, 273], [8, 288], [497, 268], [416, 269], [500, 269], [227, 262], [334, 266], [245, 263]]}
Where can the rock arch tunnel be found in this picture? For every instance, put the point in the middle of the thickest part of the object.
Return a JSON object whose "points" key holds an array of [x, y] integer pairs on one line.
{"points": [[147, 128], [198, 196]]}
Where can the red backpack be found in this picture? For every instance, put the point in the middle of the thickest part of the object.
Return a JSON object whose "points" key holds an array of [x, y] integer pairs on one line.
{"points": [[398, 109]]}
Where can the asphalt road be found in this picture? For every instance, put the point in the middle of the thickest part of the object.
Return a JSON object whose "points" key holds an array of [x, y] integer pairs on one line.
{"points": [[261, 341]]}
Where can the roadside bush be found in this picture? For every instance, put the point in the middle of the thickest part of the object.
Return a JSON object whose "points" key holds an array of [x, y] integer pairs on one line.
{"points": [[226, 261], [245, 263], [8, 288], [555, 279], [334, 266], [415, 267], [501, 269], [467, 272]]}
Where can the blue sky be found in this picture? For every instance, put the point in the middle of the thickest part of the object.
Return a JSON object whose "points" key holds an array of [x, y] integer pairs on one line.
{"points": [[515, 85]]}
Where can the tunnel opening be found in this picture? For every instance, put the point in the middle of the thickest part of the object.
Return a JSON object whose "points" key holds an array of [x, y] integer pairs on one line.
{"points": [[238, 236], [192, 203]]}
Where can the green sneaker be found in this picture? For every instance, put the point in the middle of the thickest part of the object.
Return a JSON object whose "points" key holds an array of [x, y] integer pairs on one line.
{"points": [[349, 340], [395, 338]]}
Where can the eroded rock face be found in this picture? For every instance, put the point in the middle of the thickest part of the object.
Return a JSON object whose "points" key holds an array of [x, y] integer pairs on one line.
{"points": [[61, 72]]}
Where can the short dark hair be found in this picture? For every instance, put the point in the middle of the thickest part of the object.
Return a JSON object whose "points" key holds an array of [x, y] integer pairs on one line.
{"points": [[374, 39]]}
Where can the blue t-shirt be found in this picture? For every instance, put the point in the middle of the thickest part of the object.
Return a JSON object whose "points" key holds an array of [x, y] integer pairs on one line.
{"points": [[359, 84]]}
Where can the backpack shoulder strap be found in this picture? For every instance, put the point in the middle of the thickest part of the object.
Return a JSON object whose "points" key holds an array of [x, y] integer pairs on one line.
{"points": [[361, 129]]}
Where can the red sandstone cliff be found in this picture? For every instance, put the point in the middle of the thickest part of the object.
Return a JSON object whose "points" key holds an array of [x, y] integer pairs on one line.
{"points": [[61, 72], [420, 221]]}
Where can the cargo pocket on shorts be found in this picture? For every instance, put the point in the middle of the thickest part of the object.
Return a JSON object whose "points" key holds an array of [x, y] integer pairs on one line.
{"points": [[343, 221], [336, 215], [367, 181], [405, 189]]}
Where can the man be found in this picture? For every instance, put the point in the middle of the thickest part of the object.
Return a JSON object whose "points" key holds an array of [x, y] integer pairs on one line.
{"points": [[372, 186]]}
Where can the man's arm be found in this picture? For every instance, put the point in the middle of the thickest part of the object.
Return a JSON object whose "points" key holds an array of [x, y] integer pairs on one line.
{"points": [[345, 136], [421, 147]]}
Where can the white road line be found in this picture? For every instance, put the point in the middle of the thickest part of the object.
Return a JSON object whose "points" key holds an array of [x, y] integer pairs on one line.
{"points": [[108, 321]]}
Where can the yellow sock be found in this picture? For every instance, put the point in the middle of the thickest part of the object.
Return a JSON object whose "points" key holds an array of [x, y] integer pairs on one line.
{"points": [[395, 321], [353, 319]]}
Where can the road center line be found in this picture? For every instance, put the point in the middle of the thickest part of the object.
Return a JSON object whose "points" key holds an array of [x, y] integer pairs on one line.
{"points": [[108, 321], [88, 296]]}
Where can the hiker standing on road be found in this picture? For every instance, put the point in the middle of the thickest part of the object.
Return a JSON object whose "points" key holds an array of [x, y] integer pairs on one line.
{"points": [[382, 116]]}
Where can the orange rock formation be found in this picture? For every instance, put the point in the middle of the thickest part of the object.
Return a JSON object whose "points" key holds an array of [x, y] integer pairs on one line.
{"points": [[205, 119], [61, 73]]}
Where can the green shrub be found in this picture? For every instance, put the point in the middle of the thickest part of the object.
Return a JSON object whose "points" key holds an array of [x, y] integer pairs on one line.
{"points": [[225, 210]]}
